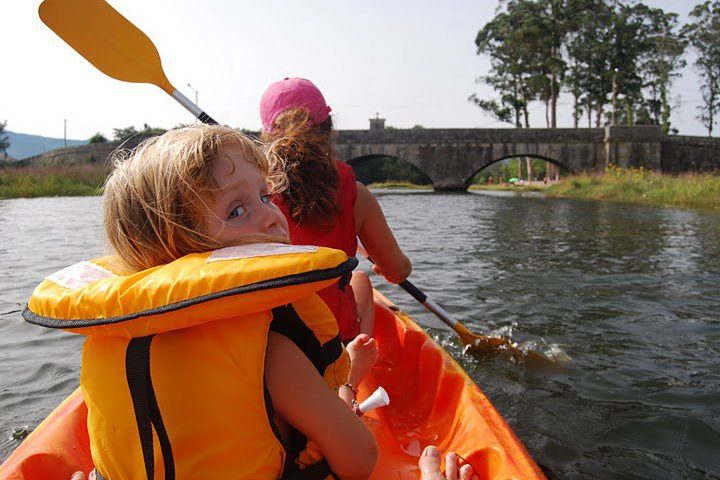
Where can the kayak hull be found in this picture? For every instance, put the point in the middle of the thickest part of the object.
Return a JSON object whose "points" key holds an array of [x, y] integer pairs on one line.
{"points": [[432, 402]]}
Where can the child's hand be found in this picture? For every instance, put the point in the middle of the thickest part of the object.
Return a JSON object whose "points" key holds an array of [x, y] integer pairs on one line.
{"points": [[363, 353]]}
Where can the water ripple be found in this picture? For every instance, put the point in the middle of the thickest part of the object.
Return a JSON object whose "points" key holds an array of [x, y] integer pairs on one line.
{"points": [[629, 292]]}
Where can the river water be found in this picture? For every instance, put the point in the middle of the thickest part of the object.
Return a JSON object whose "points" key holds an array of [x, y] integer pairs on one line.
{"points": [[630, 292]]}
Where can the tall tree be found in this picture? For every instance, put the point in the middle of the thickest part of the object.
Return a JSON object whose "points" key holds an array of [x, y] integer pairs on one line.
{"points": [[589, 48], [617, 50], [501, 40], [704, 35], [661, 62], [4, 139], [524, 42], [630, 42], [620, 53], [556, 21]]}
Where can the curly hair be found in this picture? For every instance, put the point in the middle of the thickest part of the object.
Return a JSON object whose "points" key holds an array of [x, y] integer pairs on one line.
{"points": [[302, 152]]}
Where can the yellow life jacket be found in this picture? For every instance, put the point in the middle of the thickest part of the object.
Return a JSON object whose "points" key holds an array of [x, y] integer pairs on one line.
{"points": [[173, 366]]}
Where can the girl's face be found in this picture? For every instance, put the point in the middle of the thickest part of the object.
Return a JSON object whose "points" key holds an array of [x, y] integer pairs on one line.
{"points": [[242, 204]]}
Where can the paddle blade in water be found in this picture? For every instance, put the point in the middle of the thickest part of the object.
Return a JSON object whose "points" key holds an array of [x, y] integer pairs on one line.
{"points": [[487, 347], [106, 39]]}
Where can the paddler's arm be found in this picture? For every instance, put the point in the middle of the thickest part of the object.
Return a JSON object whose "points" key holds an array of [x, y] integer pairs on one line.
{"points": [[377, 238], [303, 399]]}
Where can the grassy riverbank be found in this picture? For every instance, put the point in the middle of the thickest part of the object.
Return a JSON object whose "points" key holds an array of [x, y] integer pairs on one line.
{"points": [[403, 185], [61, 181], [615, 184], [509, 187], [643, 186], [692, 190]]}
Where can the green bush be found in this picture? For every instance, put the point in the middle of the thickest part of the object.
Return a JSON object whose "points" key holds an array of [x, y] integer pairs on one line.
{"points": [[98, 138]]}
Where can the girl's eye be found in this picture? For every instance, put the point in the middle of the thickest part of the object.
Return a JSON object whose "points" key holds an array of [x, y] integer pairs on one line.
{"points": [[237, 212], [265, 198]]}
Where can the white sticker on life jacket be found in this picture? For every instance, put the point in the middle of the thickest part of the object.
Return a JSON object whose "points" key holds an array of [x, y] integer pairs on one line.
{"points": [[79, 275], [252, 250]]}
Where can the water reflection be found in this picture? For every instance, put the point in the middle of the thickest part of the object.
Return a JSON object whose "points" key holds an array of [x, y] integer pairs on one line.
{"points": [[629, 292]]}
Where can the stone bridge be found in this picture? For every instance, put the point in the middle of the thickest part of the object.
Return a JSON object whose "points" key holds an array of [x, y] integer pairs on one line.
{"points": [[451, 157]]}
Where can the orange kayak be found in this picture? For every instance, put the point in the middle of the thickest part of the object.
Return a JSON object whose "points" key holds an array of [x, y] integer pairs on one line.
{"points": [[432, 401]]}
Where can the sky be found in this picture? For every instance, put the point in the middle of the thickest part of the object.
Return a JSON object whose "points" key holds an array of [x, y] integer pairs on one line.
{"points": [[413, 62]]}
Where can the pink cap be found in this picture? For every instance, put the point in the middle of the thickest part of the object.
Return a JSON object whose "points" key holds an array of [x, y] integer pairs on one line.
{"points": [[292, 93]]}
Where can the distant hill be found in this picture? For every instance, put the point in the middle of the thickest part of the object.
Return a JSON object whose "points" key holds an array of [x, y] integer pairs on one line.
{"points": [[23, 145]]}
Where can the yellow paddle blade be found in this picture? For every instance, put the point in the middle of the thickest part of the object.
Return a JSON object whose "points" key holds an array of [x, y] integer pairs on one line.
{"points": [[106, 39]]}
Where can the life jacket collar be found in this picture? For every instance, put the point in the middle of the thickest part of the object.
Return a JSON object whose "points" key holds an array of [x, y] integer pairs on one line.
{"points": [[94, 298]]}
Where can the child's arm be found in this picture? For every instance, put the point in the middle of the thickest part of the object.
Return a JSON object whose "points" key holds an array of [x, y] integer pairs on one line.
{"points": [[303, 399], [378, 239]]}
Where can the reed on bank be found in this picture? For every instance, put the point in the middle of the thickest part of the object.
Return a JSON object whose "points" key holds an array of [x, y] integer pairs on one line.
{"points": [[636, 185], [639, 185], [509, 187], [399, 184], [52, 181]]}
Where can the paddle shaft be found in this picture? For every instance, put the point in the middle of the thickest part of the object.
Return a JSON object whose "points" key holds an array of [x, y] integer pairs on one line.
{"points": [[428, 303], [192, 108], [466, 336]]}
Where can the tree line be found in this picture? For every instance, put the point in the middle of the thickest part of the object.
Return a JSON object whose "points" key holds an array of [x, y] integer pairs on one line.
{"points": [[4, 139], [617, 59]]}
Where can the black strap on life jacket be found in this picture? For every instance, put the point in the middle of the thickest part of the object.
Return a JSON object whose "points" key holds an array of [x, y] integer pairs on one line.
{"points": [[344, 281], [147, 411], [287, 322], [293, 446]]}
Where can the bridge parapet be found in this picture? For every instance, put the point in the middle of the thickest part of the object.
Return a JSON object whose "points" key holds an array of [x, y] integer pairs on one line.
{"points": [[470, 135], [682, 153], [639, 146]]}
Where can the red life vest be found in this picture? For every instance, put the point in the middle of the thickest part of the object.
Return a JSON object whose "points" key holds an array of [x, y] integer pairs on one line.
{"points": [[339, 233]]}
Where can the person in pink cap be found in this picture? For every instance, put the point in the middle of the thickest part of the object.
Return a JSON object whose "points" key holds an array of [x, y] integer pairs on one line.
{"points": [[323, 203]]}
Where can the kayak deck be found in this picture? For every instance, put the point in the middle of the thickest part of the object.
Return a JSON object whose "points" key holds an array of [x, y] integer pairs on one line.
{"points": [[432, 402]]}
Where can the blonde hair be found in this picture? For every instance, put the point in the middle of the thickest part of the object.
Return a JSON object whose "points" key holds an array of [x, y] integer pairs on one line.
{"points": [[155, 201]]}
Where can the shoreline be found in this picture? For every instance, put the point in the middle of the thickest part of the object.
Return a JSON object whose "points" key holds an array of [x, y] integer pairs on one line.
{"points": [[638, 186], [691, 190], [398, 185]]}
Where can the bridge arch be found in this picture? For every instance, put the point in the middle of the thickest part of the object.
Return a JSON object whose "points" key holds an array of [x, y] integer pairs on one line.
{"points": [[535, 156], [392, 164]]}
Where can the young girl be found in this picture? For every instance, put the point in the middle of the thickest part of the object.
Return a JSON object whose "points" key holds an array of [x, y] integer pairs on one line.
{"points": [[323, 202], [207, 365]]}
